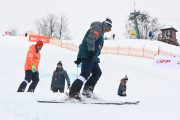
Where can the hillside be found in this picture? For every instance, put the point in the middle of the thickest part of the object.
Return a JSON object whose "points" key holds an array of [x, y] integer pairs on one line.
{"points": [[157, 88]]}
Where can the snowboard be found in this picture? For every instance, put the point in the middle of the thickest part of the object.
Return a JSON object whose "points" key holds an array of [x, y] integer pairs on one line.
{"points": [[99, 103]]}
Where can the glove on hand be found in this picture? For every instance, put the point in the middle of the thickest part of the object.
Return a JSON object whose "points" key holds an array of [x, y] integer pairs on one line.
{"points": [[51, 88], [90, 55], [33, 68], [78, 61], [123, 94], [98, 60]]}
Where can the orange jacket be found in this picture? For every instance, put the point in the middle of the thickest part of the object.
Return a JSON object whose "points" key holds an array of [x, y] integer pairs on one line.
{"points": [[32, 58]]}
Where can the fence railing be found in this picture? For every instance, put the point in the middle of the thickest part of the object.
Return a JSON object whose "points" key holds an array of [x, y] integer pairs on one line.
{"points": [[119, 50]]}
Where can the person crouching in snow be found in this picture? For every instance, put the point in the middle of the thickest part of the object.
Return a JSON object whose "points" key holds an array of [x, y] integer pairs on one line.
{"points": [[122, 86], [58, 79]]}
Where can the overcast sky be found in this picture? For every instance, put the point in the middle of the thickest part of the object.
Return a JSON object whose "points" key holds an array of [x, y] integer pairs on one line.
{"points": [[22, 13]]}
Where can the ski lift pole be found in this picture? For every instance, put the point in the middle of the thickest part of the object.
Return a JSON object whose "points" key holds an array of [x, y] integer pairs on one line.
{"points": [[136, 28]]}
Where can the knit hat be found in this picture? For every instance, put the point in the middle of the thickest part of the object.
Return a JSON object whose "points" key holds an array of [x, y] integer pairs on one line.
{"points": [[59, 63], [126, 78], [107, 22], [39, 43]]}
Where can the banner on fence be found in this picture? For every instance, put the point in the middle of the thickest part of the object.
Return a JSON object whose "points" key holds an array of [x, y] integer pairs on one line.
{"points": [[35, 38], [167, 61], [8, 33]]}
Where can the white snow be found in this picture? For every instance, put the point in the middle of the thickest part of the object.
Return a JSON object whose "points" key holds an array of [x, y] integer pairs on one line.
{"points": [[157, 88]]}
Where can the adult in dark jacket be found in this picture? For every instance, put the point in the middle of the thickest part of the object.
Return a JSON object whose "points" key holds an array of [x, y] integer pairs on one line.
{"points": [[122, 87], [58, 79], [89, 50]]}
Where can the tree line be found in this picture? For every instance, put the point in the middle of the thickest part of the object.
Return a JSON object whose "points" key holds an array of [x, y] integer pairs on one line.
{"points": [[57, 27], [53, 26]]}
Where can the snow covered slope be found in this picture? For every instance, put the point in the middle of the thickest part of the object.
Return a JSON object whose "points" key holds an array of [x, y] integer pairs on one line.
{"points": [[157, 88]]}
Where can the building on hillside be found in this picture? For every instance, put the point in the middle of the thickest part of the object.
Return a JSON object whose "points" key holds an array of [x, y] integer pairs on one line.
{"points": [[169, 36], [8, 33]]}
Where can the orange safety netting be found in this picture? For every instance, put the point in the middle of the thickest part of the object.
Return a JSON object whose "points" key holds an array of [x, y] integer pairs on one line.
{"points": [[119, 50]]}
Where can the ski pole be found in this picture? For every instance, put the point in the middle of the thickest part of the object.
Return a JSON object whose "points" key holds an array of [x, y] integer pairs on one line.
{"points": [[79, 65], [77, 71]]}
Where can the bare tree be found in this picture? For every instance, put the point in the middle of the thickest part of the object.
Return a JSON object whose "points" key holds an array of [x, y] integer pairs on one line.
{"points": [[52, 20], [53, 26], [47, 25], [62, 28], [149, 25], [129, 27], [13, 31], [42, 26]]}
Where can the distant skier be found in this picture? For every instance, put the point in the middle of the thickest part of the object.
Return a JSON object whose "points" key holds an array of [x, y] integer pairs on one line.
{"points": [[151, 35], [122, 86], [31, 67], [58, 79], [113, 36], [89, 50]]}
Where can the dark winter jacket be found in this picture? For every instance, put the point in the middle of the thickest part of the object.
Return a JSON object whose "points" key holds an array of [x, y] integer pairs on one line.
{"points": [[93, 41], [122, 87], [58, 78]]}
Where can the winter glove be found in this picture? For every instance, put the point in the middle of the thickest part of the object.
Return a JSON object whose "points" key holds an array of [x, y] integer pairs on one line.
{"points": [[123, 94], [90, 55], [33, 68], [98, 60], [51, 88], [78, 61]]}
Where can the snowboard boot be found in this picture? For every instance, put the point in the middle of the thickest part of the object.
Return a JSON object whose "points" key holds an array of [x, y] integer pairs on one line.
{"points": [[88, 91], [22, 87], [32, 86], [75, 89], [74, 95], [30, 90]]}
